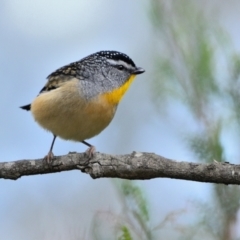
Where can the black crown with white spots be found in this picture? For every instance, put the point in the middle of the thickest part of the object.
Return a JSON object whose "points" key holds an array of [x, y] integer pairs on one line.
{"points": [[116, 56]]}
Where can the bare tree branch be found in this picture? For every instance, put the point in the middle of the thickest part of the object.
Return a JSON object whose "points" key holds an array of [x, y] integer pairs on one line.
{"points": [[130, 166]]}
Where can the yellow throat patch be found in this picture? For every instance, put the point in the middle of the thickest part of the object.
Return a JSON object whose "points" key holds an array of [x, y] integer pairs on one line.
{"points": [[116, 95]]}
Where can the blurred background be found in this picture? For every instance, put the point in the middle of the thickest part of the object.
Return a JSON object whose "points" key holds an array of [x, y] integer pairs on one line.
{"points": [[186, 106]]}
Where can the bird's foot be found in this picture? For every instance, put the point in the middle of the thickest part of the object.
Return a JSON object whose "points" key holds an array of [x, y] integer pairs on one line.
{"points": [[90, 152], [49, 157]]}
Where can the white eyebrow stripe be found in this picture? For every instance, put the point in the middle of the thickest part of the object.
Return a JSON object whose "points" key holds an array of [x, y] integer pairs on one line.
{"points": [[120, 62]]}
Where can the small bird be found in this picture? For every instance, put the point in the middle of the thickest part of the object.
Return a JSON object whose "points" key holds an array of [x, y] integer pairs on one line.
{"points": [[80, 99]]}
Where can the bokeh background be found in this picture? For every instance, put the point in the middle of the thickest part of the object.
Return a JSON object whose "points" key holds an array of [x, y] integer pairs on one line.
{"points": [[185, 107]]}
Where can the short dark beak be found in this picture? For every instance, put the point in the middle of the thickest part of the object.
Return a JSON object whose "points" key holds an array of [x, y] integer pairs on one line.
{"points": [[138, 70]]}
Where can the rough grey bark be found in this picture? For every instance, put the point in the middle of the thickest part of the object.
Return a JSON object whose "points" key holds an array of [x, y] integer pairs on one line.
{"points": [[137, 165]]}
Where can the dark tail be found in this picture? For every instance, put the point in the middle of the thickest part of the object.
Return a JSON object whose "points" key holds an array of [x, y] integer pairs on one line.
{"points": [[26, 107]]}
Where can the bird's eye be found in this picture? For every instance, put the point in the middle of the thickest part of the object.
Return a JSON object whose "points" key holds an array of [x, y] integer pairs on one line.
{"points": [[120, 67]]}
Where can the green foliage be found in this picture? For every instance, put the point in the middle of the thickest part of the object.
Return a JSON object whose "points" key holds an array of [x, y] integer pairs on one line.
{"points": [[125, 234], [197, 67], [208, 147], [133, 221], [134, 194], [186, 66], [135, 207]]}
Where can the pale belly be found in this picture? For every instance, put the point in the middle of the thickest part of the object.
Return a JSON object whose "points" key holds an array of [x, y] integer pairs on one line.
{"points": [[67, 115]]}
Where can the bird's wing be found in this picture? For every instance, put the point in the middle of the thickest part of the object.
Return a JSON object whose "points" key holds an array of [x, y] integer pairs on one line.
{"points": [[63, 75]]}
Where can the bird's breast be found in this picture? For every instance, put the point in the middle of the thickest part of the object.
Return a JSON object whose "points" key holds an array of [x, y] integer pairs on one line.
{"points": [[67, 114]]}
